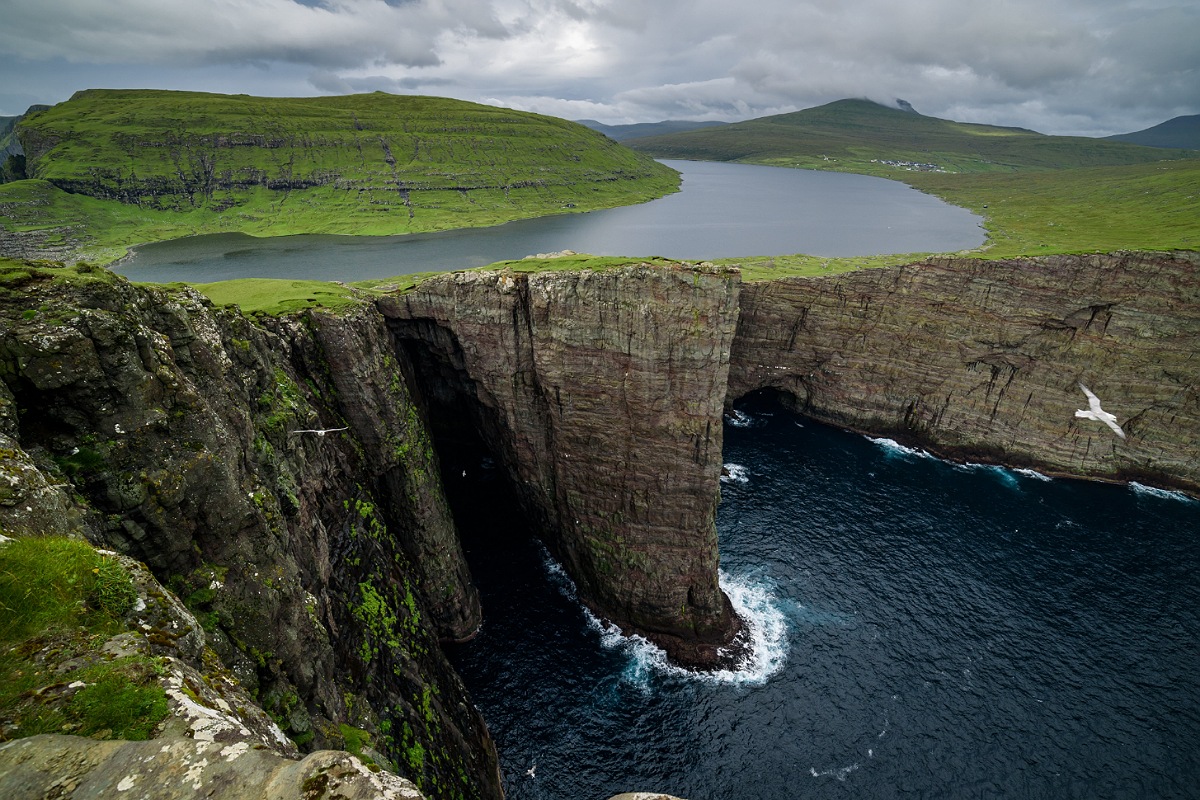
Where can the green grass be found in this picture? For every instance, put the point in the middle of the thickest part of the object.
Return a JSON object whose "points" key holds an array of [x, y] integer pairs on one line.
{"points": [[765, 268], [18, 275], [858, 136], [183, 163], [59, 601], [276, 296], [1153, 206]]}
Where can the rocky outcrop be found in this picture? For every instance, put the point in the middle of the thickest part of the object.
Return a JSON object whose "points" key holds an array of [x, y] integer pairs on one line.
{"points": [[214, 736], [177, 769], [982, 360], [601, 394], [324, 566]]}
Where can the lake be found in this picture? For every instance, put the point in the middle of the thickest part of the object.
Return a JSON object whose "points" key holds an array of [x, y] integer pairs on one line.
{"points": [[722, 211], [924, 629]]}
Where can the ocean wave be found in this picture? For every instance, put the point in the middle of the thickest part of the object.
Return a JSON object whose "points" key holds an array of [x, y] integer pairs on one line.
{"points": [[753, 600], [734, 473], [1034, 474], [1002, 474], [1163, 494], [766, 627], [892, 447], [740, 419]]}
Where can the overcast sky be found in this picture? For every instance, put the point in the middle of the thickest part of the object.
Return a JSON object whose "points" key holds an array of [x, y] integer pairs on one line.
{"points": [[1089, 67]]}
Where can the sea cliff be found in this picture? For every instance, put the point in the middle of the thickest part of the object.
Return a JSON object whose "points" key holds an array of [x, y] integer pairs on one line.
{"points": [[283, 474], [982, 360]]}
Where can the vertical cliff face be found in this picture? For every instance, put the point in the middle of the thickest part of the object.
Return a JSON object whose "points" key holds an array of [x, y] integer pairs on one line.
{"points": [[601, 395], [282, 476], [324, 567], [982, 359]]}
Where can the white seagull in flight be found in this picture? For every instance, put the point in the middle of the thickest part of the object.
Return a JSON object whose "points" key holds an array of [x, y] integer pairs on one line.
{"points": [[322, 431], [1097, 413]]}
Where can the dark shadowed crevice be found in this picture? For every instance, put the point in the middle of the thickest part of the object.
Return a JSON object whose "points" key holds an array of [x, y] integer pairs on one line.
{"points": [[479, 487]]}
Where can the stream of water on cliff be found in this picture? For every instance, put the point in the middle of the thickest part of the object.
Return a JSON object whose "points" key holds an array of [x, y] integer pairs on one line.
{"points": [[723, 210], [928, 630]]}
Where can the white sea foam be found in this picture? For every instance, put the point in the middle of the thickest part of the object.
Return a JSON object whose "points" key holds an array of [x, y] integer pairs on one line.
{"points": [[892, 447], [753, 600], [734, 473], [740, 419], [840, 773], [1034, 474], [1164, 494], [558, 576], [766, 627], [1002, 474]]}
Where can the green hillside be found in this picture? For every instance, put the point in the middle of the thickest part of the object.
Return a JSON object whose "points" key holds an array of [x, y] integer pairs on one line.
{"points": [[638, 130], [110, 168], [1176, 132], [862, 136]]}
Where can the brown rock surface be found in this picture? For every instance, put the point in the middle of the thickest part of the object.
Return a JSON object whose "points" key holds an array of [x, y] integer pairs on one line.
{"points": [[601, 394], [981, 360]]}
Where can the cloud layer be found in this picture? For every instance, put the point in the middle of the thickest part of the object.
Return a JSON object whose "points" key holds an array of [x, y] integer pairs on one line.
{"points": [[1061, 66]]}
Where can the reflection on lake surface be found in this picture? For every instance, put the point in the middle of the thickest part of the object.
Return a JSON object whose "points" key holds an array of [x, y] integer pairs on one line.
{"points": [[723, 211]]}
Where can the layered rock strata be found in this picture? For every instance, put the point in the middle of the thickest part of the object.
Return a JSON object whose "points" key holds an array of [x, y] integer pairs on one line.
{"points": [[601, 395], [982, 360], [281, 474], [326, 565]]}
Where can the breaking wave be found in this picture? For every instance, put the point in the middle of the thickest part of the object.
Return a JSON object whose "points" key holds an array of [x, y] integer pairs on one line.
{"points": [[753, 599], [740, 419], [894, 448], [734, 473], [1163, 494]]}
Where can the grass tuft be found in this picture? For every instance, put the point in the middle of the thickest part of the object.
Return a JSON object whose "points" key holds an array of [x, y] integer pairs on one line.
{"points": [[60, 600]]}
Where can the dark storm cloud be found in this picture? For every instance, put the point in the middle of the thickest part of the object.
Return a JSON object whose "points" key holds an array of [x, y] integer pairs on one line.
{"points": [[1061, 66]]}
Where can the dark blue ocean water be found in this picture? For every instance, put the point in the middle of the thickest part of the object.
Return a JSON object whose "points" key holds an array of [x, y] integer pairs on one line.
{"points": [[928, 630]]}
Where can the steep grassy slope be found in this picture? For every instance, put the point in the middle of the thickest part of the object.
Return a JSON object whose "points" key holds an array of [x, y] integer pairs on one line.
{"points": [[173, 163], [861, 136]]}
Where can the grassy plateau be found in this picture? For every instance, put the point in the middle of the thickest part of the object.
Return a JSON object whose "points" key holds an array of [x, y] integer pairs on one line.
{"points": [[112, 168]]}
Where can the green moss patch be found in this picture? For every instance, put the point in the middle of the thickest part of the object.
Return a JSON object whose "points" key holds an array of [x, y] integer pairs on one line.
{"points": [[60, 601]]}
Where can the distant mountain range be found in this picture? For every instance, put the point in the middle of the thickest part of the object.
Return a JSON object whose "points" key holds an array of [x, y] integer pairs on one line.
{"points": [[1178, 132], [865, 136], [620, 133]]}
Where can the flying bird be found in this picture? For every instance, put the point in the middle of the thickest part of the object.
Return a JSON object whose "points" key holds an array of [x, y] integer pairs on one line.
{"points": [[1097, 413], [321, 431], [530, 772]]}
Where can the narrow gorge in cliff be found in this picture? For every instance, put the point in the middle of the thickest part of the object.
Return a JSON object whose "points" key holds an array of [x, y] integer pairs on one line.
{"points": [[288, 477]]}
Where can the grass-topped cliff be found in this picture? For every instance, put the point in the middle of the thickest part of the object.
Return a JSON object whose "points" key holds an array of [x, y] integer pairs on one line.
{"points": [[110, 168]]}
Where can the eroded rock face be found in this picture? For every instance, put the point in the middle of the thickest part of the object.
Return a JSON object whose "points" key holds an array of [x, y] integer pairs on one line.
{"points": [[325, 566], [601, 394], [982, 359]]}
